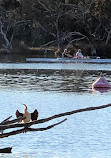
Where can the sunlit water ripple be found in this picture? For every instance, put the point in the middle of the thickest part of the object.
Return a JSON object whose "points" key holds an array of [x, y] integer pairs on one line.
{"points": [[56, 66]]}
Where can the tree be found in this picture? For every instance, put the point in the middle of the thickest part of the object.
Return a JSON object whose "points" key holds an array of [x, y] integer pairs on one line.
{"points": [[52, 19], [70, 23], [55, 23], [101, 11], [9, 26]]}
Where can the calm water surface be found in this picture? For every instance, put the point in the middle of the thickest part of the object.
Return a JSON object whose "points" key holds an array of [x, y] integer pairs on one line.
{"points": [[53, 89]]}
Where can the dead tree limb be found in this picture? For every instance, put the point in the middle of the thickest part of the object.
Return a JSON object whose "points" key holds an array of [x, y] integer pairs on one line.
{"points": [[27, 125], [6, 150], [29, 129], [64, 114], [48, 127], [7, 119]]}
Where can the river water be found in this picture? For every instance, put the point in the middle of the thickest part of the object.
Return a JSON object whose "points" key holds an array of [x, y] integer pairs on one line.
{"points": [[53, 89]]}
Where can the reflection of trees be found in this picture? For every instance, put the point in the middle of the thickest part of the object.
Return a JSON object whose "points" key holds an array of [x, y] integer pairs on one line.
{"points": [[46, 80], [49, 80], [72, 81]]}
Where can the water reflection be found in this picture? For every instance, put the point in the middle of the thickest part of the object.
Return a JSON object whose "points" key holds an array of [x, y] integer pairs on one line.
{"points": [[49, 80], [101, 90]]}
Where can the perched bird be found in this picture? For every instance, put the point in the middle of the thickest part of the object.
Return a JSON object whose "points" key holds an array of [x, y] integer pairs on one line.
{"points": [[28, 116]]}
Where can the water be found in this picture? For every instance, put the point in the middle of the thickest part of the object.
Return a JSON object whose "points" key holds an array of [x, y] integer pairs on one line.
{"points": [[56, 66], [53, 89]]}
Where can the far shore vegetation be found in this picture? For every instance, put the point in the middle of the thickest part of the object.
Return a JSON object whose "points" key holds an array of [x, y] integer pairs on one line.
{"points": [[48, 27]]}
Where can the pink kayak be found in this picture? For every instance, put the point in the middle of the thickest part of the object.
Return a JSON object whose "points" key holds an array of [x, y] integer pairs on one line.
{"points": [[101, 82]]}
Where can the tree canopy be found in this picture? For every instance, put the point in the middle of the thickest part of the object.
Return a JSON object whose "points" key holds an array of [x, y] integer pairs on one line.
{"points": [[57, 23]]}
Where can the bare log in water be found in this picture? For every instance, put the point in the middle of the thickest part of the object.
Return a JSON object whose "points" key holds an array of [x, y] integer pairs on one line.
{"points": [[6, 150]]}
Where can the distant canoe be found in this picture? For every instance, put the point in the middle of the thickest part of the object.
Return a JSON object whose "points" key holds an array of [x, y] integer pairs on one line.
{"points": [[68, 60]]}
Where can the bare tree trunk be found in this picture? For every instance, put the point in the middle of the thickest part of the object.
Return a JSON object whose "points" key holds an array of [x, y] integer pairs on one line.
{"points": [[93, 50], [8, 44], [108, 37]]}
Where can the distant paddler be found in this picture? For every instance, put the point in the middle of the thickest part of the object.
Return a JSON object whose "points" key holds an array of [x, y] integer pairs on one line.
{"points": [[66, 54], [79, 54]]}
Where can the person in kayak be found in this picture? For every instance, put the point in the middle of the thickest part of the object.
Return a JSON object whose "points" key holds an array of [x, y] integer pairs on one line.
{"points": [[66, 54], [79, 54]]}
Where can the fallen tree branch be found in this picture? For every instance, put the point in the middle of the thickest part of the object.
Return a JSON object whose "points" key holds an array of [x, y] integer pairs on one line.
{"points": [[65, 114], [7, 119], [27, 125], [29, 129], [6, 150], [46, 128]]}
